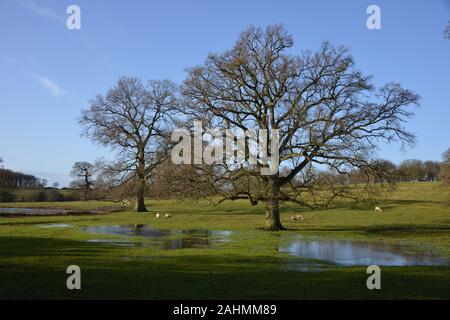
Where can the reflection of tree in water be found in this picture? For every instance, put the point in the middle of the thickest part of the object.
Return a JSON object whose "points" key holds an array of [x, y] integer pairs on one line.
{"points": [[190, 239], [141, 230], [166, 239]]}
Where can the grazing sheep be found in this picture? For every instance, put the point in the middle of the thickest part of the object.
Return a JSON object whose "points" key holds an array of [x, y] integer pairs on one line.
{"points": [[299, 217], [157, 215], [378, 210], [167, 215], [293, 218]]}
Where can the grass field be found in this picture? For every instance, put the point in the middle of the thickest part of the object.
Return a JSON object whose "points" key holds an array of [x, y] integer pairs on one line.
{"points": [[33, 259]]}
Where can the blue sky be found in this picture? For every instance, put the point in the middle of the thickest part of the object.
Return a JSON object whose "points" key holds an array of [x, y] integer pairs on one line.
{"points": [[48, 73]]}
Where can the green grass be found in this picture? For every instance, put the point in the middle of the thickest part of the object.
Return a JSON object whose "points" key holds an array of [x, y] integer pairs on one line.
{"points": [[33, 259]]}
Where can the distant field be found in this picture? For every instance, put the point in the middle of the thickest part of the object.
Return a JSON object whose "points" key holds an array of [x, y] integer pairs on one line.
{"points": [[33, 258]]}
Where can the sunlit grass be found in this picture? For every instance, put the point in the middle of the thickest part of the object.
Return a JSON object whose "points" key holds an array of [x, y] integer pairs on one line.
{"points": [[33, 259]]}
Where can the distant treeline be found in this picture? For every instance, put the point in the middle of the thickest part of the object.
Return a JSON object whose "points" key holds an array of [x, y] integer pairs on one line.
{"points": [[12, 179], [39, 195], [385, 171], [407, 171], [18, 186], [417, 170]]}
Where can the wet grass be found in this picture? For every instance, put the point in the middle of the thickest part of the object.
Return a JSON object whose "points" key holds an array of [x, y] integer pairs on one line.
{"points": [[33, 259]]}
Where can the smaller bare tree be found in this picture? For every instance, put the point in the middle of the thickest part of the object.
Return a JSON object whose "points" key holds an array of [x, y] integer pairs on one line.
{"points": [[132, 119], [83, 173], [445, 167], [431, 169]]}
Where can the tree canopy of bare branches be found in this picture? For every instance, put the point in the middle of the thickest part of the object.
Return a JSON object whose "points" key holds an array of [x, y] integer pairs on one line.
{"points": [[132, 119], [328, 113], [83, 173], [445, 167]]}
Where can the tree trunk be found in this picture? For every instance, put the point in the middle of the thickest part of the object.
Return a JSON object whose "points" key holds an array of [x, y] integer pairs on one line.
{"points": [[273, 222], [140, 194], [86, 186], [140, 203]]}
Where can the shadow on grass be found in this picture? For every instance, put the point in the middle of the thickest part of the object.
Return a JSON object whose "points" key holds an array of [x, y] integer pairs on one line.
{"points": [[181, 275], [11, 247], [39, 222]]}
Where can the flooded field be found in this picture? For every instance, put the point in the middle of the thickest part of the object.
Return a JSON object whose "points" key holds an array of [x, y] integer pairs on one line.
{"points": [[353, 253], [165, 239], [12, 212], [342, 252]]}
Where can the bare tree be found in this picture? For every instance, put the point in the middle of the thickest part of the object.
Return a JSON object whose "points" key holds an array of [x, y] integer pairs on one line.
{"points": [[383, 171], [431, 170], [327, 112], [83, 173], [132, 119], [445, 167], [411, 170]]}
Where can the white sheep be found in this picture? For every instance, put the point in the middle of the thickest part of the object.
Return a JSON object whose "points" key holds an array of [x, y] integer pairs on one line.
{"points": [[293, 218], [378, 209], [167, 215], [299, 217], [157, 215]]}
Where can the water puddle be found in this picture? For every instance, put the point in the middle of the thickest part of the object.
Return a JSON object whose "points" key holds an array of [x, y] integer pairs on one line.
{"points": [[55, 225], [334, 251], [165, 239], [6, 212], [116, 242], [354, 253], [32, 211]]}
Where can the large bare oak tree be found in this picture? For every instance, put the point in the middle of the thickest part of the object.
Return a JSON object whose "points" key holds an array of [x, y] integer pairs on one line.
{"points": [[328, 113], [132, 119]]}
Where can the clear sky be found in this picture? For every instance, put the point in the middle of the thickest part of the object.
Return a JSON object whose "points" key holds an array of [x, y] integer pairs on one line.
{"points": [[48, 73]]}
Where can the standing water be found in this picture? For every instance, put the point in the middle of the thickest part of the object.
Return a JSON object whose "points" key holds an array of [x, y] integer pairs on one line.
{"points": [[165, 239], [354, 253]]}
